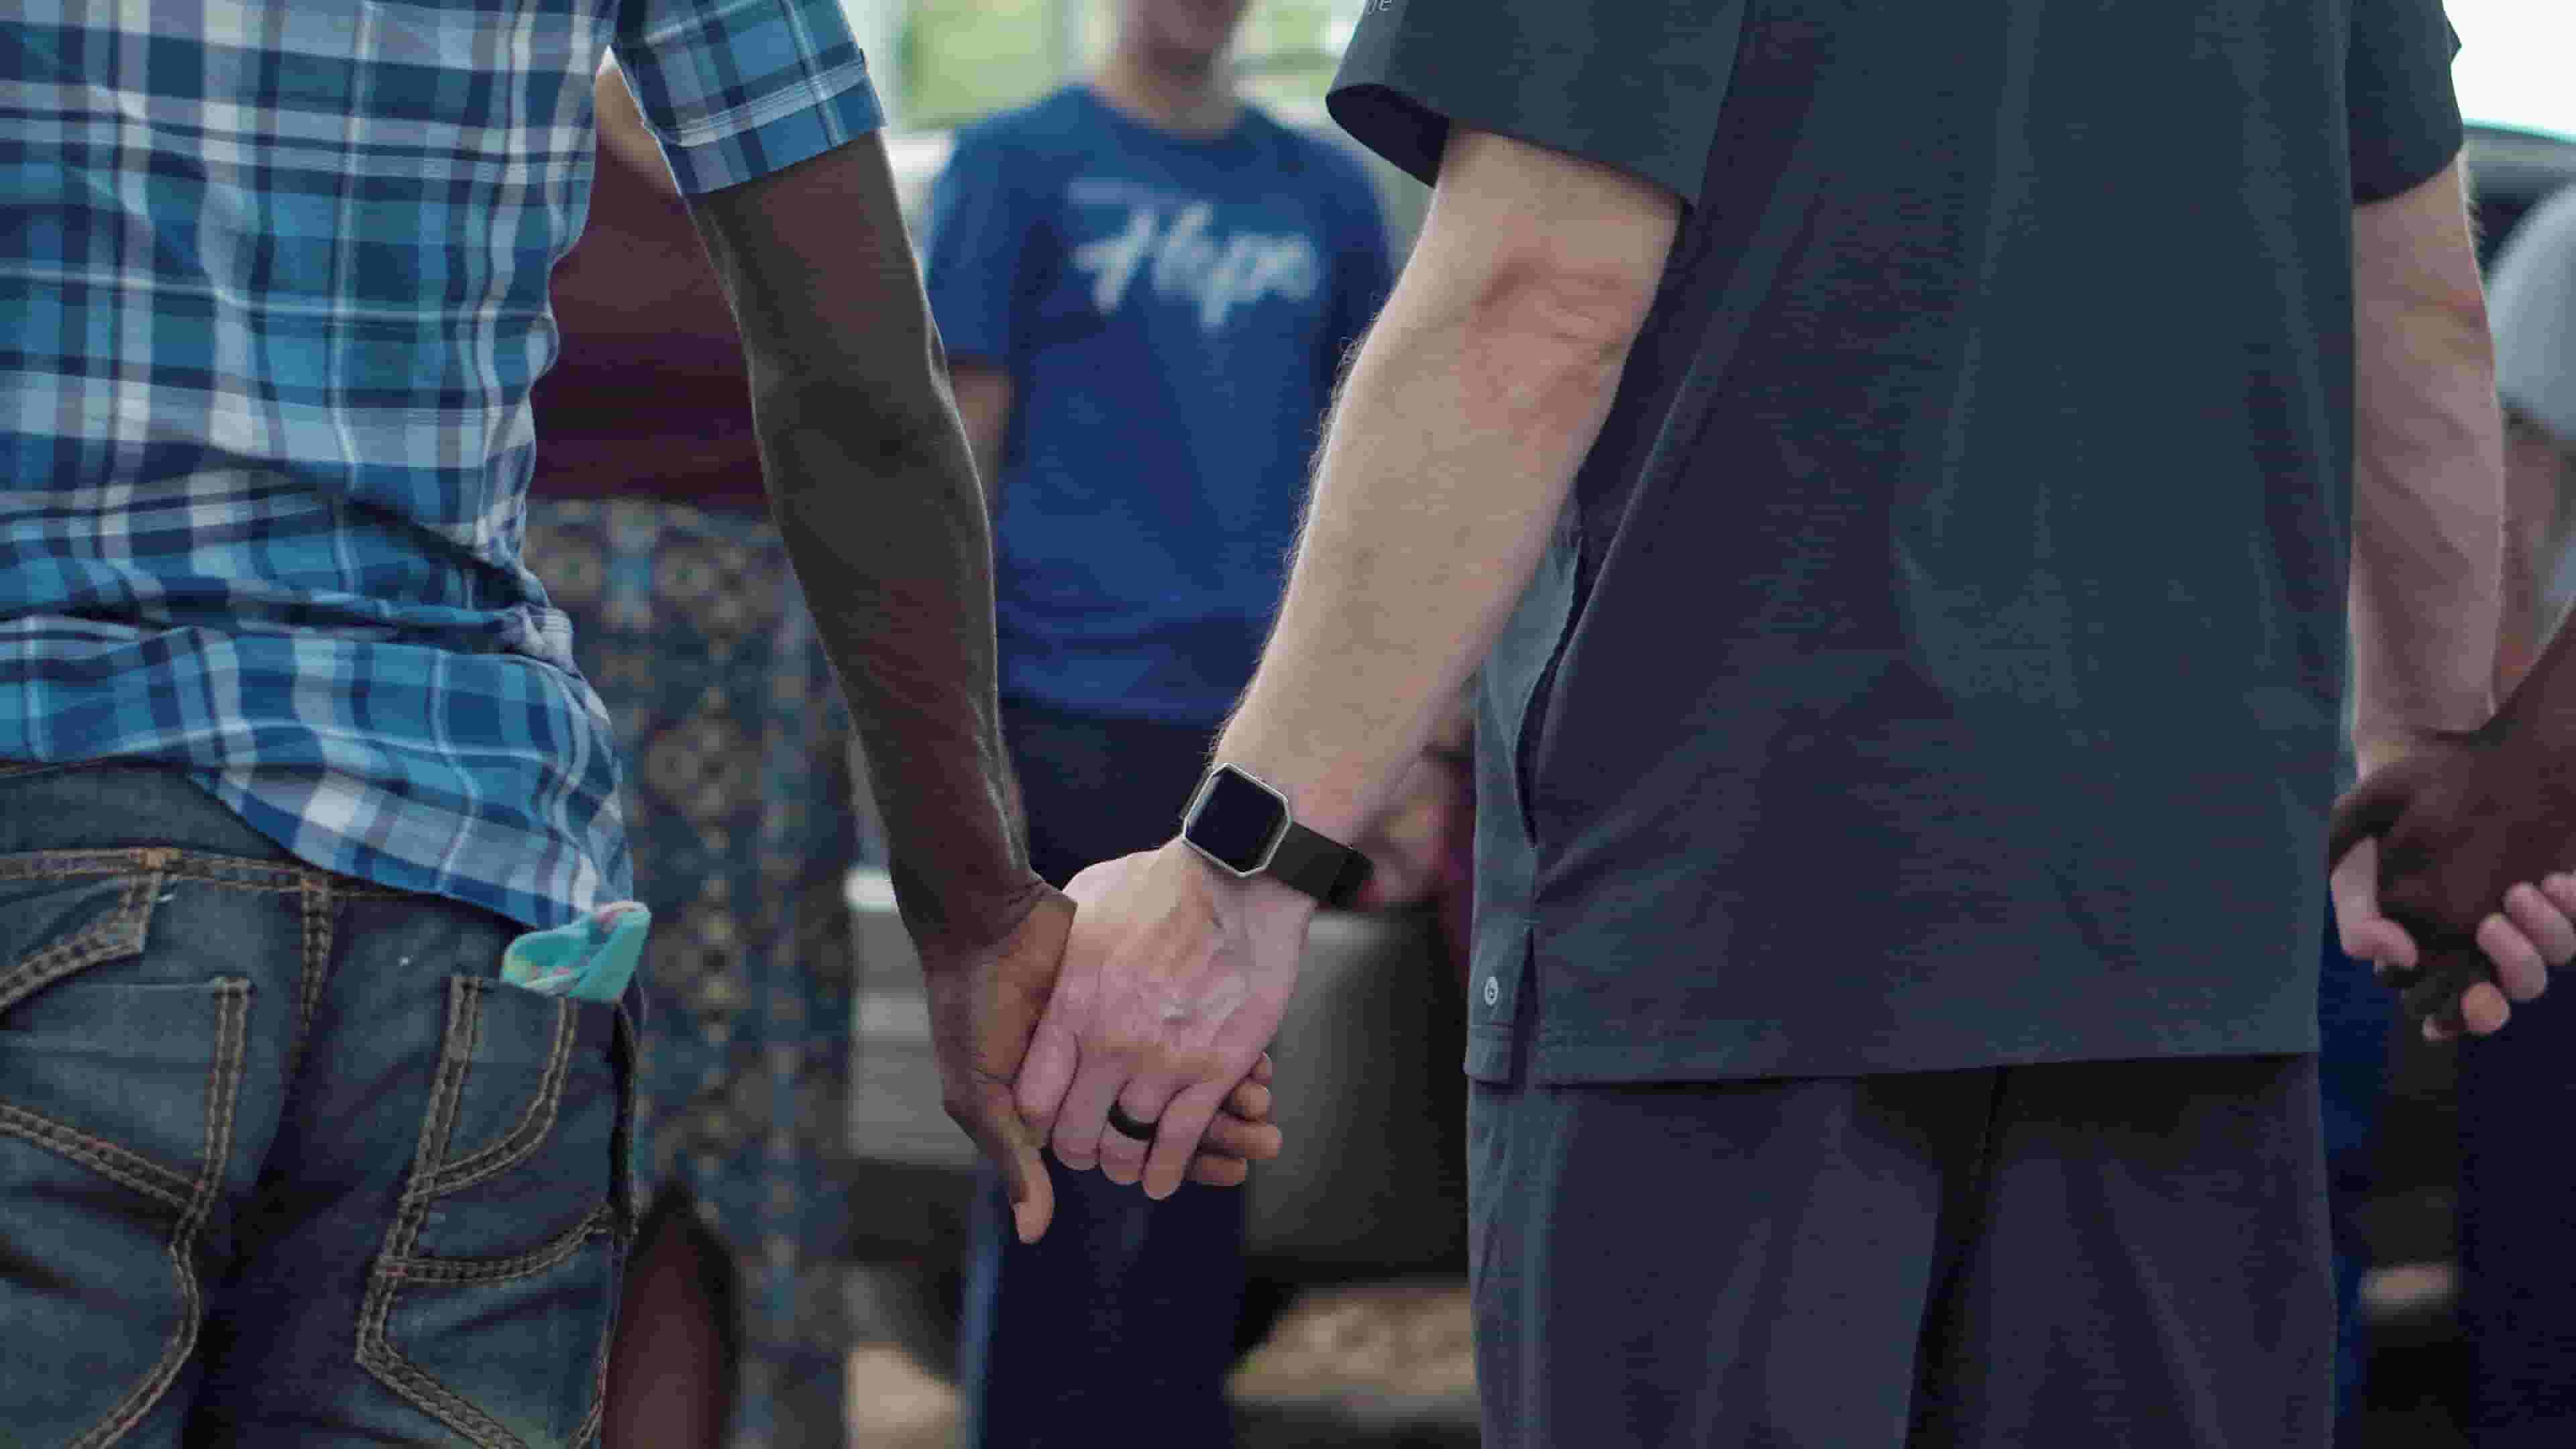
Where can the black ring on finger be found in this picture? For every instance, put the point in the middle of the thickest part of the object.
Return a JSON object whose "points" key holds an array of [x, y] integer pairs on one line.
{"points": [[2394, 976], [1129, 1127]]}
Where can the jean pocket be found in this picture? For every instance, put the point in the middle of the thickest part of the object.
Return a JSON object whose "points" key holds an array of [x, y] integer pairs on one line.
{"points": [[116, 1114], [490, 1305]]}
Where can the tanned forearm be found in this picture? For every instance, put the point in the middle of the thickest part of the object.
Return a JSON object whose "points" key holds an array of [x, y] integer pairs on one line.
{"points": [[2428, 477], [985, 395], [875, 492], [1449, 455]]}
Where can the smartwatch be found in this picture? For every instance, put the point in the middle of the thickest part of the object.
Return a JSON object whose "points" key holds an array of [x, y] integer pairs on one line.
{"points": [[1241, 824]]}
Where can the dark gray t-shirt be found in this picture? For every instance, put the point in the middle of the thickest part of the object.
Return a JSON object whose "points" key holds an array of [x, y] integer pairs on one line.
{"points": [[1939, 662]]}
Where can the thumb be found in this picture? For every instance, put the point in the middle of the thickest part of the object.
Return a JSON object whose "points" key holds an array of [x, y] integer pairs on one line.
{"points": [[1006, 1140], [2362, 932], [2369, 808], [1033, 1200]]}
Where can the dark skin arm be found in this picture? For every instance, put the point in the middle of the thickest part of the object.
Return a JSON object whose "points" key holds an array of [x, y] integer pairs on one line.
{"points": [[874, 490], [2465, 821]]}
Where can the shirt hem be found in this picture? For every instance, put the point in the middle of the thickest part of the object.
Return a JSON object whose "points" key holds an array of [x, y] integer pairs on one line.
{"points": [[1589, 1058]]}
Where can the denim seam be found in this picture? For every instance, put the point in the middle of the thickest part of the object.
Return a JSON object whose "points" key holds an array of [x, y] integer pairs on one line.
{"points": [[396, 1265], [533, 1126], [315, 908], [223, 870], [223, 1094], [376, 1351], [499, 1270], [120, 1165], [118, 935]]}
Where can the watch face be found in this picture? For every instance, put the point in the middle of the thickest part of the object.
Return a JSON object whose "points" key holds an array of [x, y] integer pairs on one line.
{"points": [[1238, 821]]}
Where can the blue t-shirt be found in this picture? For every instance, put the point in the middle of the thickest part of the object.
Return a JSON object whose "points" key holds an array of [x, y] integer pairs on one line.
{"points": [[1172, 312]]}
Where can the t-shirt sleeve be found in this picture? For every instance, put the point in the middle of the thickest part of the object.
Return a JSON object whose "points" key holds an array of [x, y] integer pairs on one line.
{"points": [[2405, 121], [735, 92], [975, 260], [1631, 84]]}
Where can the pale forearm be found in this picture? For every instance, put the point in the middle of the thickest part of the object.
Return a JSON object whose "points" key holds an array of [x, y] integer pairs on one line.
{"points": [[1448, 460], [2428, 517], [2427, 589]]}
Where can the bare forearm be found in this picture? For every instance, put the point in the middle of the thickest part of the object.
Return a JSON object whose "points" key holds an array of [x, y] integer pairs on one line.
{"points": [[876, 497], [1449, 457], [886, 527], [2427, 554], [985, 394], [2428, 477]]}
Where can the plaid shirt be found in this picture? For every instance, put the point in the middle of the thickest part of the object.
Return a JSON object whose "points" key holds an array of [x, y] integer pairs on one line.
{"points": [[274, 277]]}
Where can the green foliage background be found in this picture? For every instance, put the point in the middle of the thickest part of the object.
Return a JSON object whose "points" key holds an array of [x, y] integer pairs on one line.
{"points": [[962, 58]]}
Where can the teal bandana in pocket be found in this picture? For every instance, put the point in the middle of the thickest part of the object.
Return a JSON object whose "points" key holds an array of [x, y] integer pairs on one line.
{"points": [[590, 960]]}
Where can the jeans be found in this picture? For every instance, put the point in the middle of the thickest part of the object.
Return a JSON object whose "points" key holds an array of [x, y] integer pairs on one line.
{"points": [[282, 1161]]}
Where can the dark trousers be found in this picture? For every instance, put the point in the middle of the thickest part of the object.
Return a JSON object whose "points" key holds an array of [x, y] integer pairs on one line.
{"points": [[2517, 1092], [1127, 1307], [2114, 1253], [2352, 1067]]}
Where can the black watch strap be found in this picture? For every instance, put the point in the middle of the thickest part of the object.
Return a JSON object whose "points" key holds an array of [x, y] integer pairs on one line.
{"points": [[1328, 871]]}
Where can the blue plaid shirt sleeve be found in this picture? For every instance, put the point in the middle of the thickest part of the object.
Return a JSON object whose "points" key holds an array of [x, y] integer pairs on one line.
{"points": [[737, 89]]}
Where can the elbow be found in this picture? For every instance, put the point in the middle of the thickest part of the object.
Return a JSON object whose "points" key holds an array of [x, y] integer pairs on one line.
{"points": [[1545, 340], [819, 431], [1580, 314]]}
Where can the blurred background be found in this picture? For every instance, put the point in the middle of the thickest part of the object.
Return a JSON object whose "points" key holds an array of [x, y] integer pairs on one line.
{"points": [[1356, 1331]]}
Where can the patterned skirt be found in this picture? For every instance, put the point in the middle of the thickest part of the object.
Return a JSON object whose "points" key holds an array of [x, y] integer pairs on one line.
{"points": [[737, 790]]}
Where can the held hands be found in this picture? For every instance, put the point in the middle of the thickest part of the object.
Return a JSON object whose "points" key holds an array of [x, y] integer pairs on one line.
{"points": [[1175, 978], [2446, 874], [986, 1003]]}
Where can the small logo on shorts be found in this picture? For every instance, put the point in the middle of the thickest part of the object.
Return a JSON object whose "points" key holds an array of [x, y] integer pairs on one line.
{"points": [[1493, 991]]}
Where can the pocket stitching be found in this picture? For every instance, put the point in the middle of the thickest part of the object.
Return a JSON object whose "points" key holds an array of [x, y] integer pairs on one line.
{"points": [[223, 1094], [397, 1264], [121, 934], [530, 1131], [121, 1165], [376, 1349], [412, 1268]]}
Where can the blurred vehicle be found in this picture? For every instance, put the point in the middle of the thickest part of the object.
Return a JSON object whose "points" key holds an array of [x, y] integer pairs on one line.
{"points": [[2510, 169]]}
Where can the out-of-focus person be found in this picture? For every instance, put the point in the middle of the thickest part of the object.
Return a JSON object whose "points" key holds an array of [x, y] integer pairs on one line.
{"points": [[2517, 1205], [1902, 774], [1146, 287], [2531, 298], [2510, 1217], [648, 522]]}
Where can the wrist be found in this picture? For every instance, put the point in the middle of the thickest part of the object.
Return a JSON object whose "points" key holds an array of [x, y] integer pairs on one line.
{"points": [[1257, 901], [963, 919]]}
